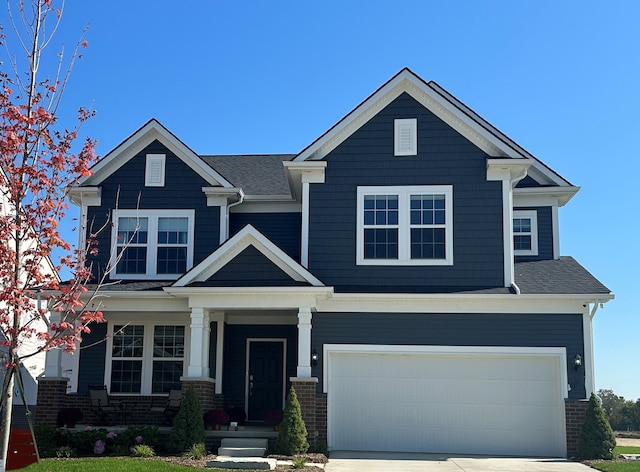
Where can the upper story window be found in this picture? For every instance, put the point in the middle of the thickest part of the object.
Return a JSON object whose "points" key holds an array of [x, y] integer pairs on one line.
{"points": [[154, 170], [405, 137], [405, 225], [525, 232], [152, 243]]}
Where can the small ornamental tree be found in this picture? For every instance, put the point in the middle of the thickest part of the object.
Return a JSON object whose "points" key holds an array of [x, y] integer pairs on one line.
{"points": [[188, 425], [292, 437], [39, 160], [596, 440]]}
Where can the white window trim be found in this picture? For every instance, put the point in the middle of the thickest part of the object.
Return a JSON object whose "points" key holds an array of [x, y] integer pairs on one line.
{"points": [[404, 233], [152, 243], [403, 124], [533, 216], [147, 354], [154, 159]]}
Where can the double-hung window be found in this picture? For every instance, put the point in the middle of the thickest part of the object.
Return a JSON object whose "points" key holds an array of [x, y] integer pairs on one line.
{"points": [[152, 243], [405, 225], [145, 358], [525, 232]]}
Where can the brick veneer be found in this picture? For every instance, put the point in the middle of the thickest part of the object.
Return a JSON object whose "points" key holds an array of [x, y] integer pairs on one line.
{"points": [[575, 412], [52, 396], [321, 420], [306, 392], [204, 389]]}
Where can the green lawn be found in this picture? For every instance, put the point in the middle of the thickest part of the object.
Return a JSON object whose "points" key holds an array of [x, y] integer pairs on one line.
{"points": [[620, 466], [108, 464]]}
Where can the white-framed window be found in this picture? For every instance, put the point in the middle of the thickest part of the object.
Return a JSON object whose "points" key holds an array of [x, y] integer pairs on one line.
{"points": [[154, 170], [405, 137], [405, 225], [145, 358], [154, 244], [525, 232]]}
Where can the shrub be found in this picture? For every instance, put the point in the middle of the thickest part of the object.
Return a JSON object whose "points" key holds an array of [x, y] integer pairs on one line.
{"points": [[274, 417], [299, 462], [130, 436], [596, 440], [69, 416], [143, 450], [292, 438], [212, 417], [196, 451], [188, 425]]}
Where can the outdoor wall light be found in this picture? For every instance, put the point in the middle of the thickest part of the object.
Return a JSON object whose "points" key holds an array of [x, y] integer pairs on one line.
{"points": [[314, 358], [577, 362]]}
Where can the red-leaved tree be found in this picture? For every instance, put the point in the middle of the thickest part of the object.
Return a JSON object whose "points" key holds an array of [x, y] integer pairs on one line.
{"points": [[39, 160]]}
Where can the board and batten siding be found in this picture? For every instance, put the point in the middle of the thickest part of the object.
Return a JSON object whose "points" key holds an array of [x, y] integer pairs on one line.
{"points": [[444, 157], [125, 189], [545, 234], [282, 229], [514, 330]]}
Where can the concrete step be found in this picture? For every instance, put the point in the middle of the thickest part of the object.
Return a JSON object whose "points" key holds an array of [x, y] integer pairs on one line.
{"points": [[244, 442], [255, 463], [242, 451]]}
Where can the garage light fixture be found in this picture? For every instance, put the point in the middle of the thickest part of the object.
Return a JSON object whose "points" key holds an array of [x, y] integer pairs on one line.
{"points": [[314, 358], [577, 362]]}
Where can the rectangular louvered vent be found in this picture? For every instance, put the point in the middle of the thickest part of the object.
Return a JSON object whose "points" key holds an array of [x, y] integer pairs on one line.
{"points": [[154, 172], [406, 137]]}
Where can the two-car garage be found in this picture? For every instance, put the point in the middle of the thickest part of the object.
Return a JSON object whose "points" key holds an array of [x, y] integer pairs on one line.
{"points": [[475, 400]]}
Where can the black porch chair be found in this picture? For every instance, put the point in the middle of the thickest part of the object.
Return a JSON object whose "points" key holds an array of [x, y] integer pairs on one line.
{"points": [[101, 405], [170, 407]]}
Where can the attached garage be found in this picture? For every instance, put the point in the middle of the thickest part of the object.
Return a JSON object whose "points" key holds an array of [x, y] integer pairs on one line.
{"points": [[469, 400]]}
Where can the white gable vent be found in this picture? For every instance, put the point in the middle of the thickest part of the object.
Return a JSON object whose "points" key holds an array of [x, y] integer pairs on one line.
{"points": [[406, 137], [154, 171]]}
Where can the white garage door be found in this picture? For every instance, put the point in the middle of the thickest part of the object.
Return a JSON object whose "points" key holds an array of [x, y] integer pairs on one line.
{"points": [[476, 403]]}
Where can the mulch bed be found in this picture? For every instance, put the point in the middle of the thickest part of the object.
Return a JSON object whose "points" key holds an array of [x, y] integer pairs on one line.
{"points": [[201, 463]]}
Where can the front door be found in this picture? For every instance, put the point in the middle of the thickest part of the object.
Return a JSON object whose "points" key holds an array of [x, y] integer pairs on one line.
{"points": [[265, 378]]}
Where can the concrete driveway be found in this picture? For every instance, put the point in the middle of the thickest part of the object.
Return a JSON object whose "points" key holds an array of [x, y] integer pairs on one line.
{"points": [[348, 461]]}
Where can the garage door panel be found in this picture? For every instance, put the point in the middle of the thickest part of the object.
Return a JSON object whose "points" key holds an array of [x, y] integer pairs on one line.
{"points": [[446, 403]]}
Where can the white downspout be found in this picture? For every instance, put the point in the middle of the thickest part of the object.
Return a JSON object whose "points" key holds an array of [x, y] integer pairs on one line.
{"points": [[226, 216], [589, 361]]}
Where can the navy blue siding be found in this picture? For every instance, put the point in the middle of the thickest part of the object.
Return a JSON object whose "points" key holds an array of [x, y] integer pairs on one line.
{"points": [[251, 268], [282, 229], [125, 189], [213, 343], [518, 330], [235, 356], [444, 158], [545, 235], [92, 358]]}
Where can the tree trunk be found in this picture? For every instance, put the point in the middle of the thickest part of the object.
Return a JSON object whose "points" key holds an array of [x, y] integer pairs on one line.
{"points": [[7, 409]]}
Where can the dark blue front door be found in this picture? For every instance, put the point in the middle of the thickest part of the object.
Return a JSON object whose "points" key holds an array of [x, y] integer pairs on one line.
{"points": [[265, 378]]}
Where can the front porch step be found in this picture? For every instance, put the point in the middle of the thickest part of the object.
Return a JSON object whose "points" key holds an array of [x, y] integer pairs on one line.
{"points": [[243, 447], [250, 463]]}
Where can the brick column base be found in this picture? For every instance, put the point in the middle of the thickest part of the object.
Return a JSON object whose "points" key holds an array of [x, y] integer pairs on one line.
{"points": [[321, 421], [52, 396], [306, 392], [204, 388], [575, 412]]}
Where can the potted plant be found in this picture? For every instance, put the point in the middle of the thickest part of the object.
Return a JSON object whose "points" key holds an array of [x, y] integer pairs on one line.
{"points": [[215, 418], [274, 418], [69, 417]]}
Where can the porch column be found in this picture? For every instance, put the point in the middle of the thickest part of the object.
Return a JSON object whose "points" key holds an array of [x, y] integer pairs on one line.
{"points": [[53, 359], [304, 343], [218, 317], [199, 345]]}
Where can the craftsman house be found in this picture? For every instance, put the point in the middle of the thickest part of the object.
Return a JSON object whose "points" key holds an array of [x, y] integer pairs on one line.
{"points": [[403, 272]]}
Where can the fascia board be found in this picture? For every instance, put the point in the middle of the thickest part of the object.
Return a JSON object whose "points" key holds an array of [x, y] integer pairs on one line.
{"points": [[459, 303], [407, 81], [137, 142], [309, 171], [232, 247], [531, 195]]}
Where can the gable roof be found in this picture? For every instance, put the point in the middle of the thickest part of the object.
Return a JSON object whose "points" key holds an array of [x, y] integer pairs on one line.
{"points": [[151, 131], [247, 236], [444, 105]]}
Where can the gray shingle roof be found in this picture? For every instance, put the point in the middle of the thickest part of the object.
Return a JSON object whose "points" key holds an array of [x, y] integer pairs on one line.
{"points": [[256, 174], [556, 277]]}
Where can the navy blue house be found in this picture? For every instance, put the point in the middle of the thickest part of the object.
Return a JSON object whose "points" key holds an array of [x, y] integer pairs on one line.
{"points": [[402, 272]]}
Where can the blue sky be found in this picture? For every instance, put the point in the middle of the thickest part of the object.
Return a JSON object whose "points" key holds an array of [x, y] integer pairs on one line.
{"points": [[560, 78]]}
